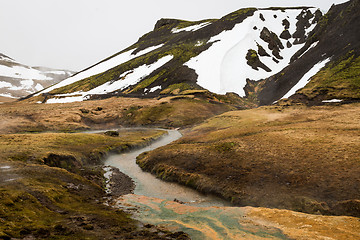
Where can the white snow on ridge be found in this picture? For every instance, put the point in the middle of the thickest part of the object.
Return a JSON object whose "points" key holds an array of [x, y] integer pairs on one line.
{"points": [[306, 78], [191, 28], [22, 72], [125, 80], [102, 67], [223, 67]]}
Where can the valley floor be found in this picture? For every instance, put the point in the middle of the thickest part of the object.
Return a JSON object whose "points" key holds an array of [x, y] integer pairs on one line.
{"points": [[299, 158], [291, 157]]}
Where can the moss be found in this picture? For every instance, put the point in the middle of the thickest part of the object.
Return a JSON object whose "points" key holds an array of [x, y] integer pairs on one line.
{"points": [[252, 56], [224, 147], [338, 80], [241, 12], [177, 88], [145, 83]]}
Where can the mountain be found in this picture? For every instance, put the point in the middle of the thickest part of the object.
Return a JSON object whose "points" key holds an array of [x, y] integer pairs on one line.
{"points": [[18, 80], [262, 55]]}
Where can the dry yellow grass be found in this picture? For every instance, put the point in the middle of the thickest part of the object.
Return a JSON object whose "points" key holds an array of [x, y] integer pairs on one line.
{"points": [[112, 112], [298, 158]]}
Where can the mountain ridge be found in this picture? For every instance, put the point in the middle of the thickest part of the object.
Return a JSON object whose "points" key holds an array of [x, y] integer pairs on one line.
{"points": [[18, 80], [275, 39]]}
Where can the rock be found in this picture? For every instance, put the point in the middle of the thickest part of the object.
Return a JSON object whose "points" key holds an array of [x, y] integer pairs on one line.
{"points": [[166, 21], [285, 35], [112, 133], [84, 110], [262, 52], [272, 39], [286, 24], [262, 17], [253, 60]]}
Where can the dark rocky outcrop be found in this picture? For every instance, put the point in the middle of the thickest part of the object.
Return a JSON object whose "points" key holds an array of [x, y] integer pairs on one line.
{"points": [[262, 52], [273, 41], [337, 34], [285, 35], [286, 23], [253, 60]]}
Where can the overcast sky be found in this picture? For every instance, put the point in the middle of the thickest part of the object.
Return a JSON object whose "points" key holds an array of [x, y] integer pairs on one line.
{"points": [[74, 34]]}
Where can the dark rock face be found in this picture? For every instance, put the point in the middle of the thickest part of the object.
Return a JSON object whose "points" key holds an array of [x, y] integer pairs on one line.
{"points": [[253, 60], [112, 133], [262, 17], [166, 21], [285, 35], [286, 24], [302, 24], [262, 52], [273, 41], [337, 33]]}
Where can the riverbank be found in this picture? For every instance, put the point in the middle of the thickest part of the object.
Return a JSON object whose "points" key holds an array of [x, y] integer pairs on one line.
{"points": [[298, 158], [52, 186]]}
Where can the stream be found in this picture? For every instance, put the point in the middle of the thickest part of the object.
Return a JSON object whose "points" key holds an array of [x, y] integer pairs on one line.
{"points": [[150, 186], [200, 216]]}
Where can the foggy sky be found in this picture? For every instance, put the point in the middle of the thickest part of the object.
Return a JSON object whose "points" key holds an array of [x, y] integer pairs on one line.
{"points": [[74, 34]]}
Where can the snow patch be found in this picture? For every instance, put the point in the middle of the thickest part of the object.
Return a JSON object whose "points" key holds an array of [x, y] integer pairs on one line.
{"points": [[65, 99], [8, 95], [22, 72], [191, 28], [102, 67], [155, 88], [306, 78], [5, 167], [332, 101], [129, 78], [38, 87], [125, 80], [5, 84], [149, 49], [311, 46]]}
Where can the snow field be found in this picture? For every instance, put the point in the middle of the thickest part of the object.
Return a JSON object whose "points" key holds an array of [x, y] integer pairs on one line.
{"points": [[101, 67], [126, 79], [223, 67]]}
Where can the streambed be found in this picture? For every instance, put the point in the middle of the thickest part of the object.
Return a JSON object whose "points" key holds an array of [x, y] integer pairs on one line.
{"points": [[200, 216], [150, 186]]}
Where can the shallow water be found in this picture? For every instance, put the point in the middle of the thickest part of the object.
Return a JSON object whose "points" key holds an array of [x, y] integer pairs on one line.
{"points": [[150, 186], [202, 217]]}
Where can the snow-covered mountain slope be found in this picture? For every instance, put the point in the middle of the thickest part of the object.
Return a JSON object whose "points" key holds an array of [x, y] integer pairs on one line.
{"points": [[248, 52], [18, 80]]}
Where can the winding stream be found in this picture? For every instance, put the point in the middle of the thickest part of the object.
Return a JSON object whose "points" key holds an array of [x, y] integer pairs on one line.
{"points": [[150, 186], [201, 216]]}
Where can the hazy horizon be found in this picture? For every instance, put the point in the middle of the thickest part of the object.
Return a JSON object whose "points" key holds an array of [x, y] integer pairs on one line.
{"points": [[76, 34]]}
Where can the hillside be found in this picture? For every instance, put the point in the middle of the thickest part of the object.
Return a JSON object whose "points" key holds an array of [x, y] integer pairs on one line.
{"points": [[262, 55], [18, 80]]}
